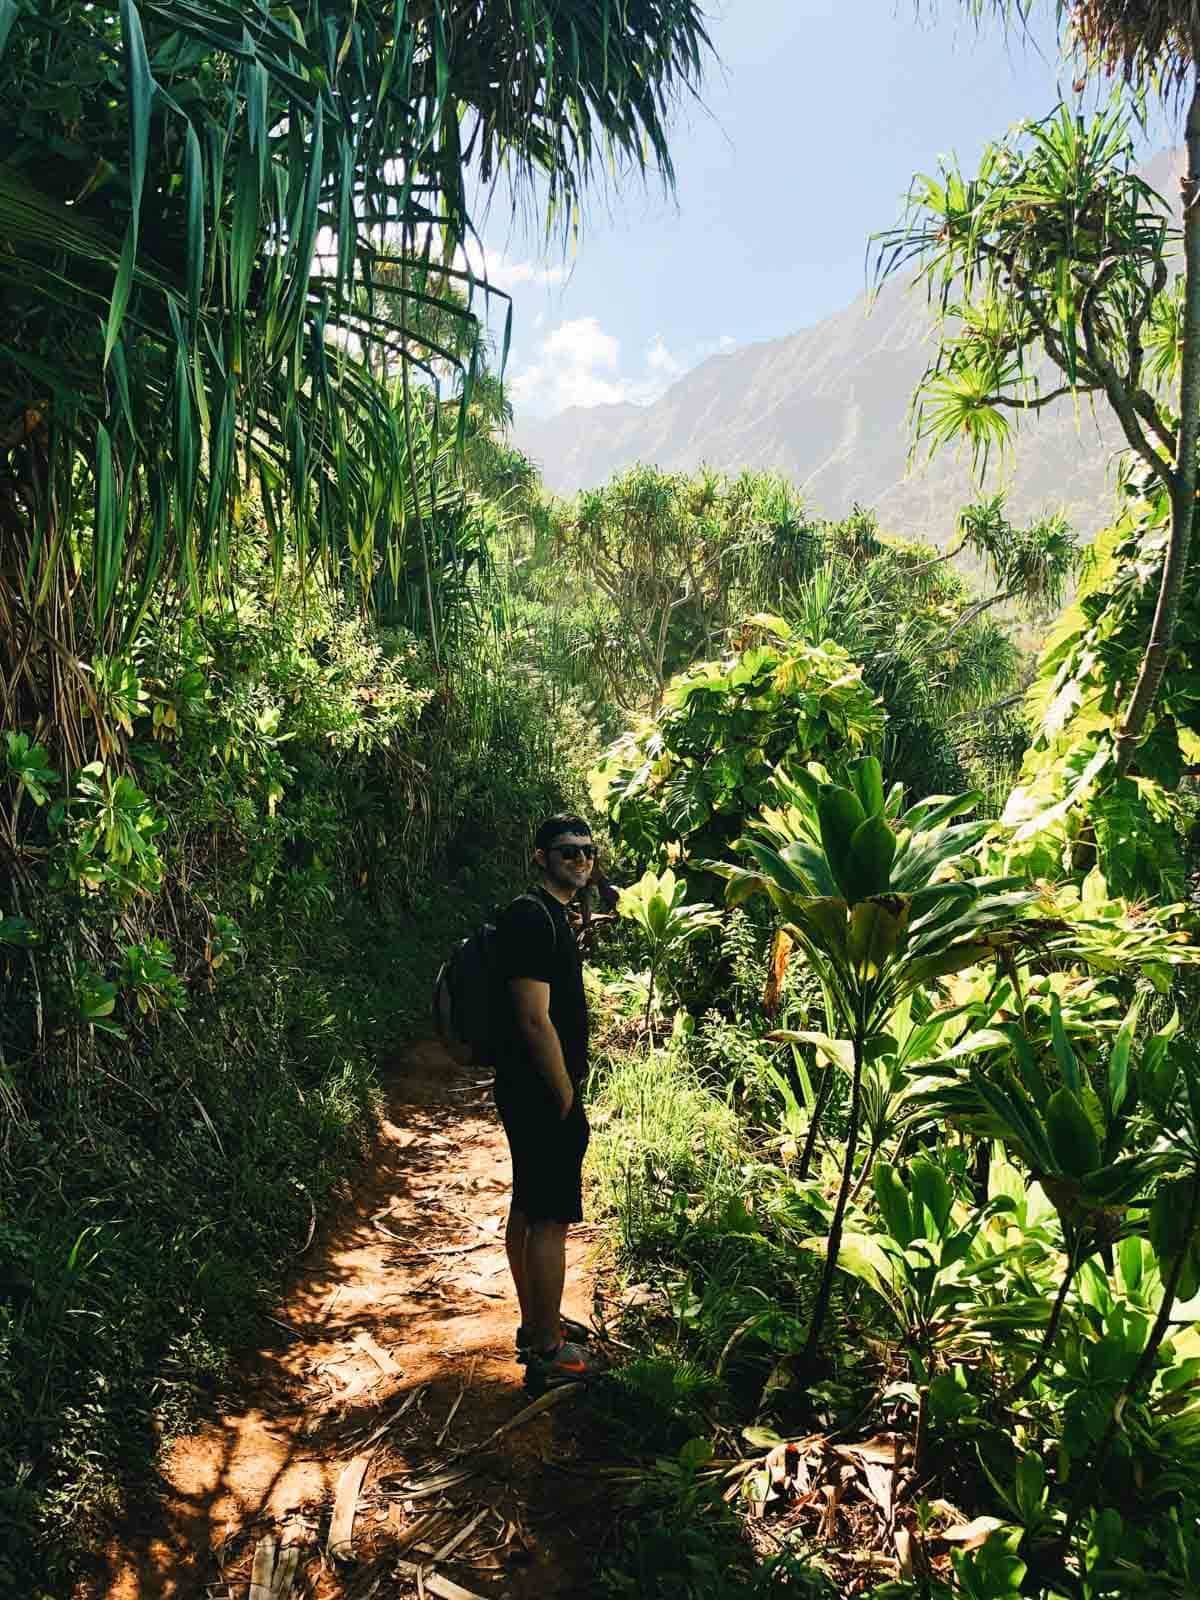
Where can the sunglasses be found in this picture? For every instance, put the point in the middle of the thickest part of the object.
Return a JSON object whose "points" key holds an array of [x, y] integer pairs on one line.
{"points": [[572, 852]]}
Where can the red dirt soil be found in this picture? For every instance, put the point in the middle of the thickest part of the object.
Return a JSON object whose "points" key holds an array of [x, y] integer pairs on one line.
{"points": [[385, 1267]]}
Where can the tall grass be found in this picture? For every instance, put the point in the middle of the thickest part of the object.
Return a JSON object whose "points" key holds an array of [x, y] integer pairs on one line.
{"points": [[662, 1137]]}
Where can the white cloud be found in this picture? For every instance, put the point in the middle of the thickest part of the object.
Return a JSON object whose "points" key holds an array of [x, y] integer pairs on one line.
{"points": [[577, 363], [502, 272], [660, 360]]}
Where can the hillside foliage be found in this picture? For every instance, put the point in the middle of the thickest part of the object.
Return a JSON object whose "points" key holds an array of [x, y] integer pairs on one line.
{"points": [[897, 1085]]}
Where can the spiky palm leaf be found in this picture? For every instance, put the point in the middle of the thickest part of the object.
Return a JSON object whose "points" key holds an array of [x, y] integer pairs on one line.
{"points": [[194, 198]]}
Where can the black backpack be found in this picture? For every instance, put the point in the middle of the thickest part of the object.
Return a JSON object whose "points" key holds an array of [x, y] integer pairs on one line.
{"points": [[467, 995]]}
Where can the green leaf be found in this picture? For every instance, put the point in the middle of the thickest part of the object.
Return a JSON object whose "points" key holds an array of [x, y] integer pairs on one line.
{"points": [[824, 921], [243, 246], [1015, 1113], [893, 1203], [876, 928], [761, 1438], [140, 85], [121, 290], [8, 15], [873, 849], [1062, 1046], [1028, 1066], [1072, 1137], [106, 533], [866, 775], [839, 1051], [1168, 1220], [193, 188], [942, 963], [863, 1256], [931, 1189], [840, 814], [1031, 1486], [1118, 1062]]}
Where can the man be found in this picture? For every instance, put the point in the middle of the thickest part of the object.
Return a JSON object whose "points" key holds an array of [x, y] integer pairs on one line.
{"points": [[541, 1063]]}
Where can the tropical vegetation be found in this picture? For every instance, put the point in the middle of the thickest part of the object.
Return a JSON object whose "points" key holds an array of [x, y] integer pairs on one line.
{"points": [[897, 1098]]}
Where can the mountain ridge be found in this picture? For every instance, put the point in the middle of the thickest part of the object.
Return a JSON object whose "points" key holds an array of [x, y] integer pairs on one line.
{"points": [[827, 406]]}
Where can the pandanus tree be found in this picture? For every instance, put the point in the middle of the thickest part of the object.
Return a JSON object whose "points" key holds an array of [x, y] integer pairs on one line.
{"points": [[1052, 269], [1031, 565], [882, 902], [194, 200]]}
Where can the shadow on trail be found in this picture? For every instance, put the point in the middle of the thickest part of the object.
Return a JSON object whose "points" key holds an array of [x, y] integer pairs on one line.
{"points": [[394, 1340]]}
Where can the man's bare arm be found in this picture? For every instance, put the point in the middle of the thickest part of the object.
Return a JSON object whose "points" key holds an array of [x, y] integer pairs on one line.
{"points": [[531, 1002]]}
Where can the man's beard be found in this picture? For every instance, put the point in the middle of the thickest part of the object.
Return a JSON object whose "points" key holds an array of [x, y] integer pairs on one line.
{"points": [[560, 876]]}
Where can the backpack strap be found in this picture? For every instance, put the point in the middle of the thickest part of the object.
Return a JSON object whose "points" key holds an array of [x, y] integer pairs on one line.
{"points": [[546, 912]]}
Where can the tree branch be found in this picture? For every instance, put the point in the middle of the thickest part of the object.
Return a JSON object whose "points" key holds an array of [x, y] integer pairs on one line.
{"points": [[1144, 404], [1133, 338], [977, 610], [1041, 400], [1182, 482], [979, 712], [946, 555], [1115, 388]]}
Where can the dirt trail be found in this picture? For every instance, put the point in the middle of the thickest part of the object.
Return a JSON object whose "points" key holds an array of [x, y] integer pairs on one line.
{"points": [[401, 1311]]}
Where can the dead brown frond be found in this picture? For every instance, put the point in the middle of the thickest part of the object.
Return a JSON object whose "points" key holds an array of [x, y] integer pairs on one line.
{"points": [[1152, 43]]}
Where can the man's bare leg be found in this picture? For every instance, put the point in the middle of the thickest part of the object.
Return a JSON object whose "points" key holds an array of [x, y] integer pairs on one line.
{"points": [[516, 1240], [545, 1272]]}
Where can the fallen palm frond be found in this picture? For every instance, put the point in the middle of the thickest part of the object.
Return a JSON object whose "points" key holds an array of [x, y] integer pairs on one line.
{"points": [[340, 1543]]}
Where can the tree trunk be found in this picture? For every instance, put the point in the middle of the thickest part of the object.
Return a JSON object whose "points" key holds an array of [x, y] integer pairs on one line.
{"points": [[1183, 486], [650, 1004], [821, 1307], [430, 608], [814, 1122], [1076, 1254]]}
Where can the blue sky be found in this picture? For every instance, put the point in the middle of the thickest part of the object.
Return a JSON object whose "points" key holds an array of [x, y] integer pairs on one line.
{"points": [[817, 117]]}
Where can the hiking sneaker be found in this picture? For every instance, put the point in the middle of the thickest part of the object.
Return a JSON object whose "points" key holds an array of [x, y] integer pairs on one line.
{"points": [[570, 1363], [577, 1332]]}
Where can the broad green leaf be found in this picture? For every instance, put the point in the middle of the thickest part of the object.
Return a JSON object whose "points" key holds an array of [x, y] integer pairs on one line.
{"points": [[872, 850], [769, 624], [1030, 1482], [1072, 1137], [840, 814], [1118, 1062], [941, 964], [1074, 796], [876, 929], [893, 1202], [1068, 1066], [838, 1051], [866, 776], [863, 1256], [931, 1189], [826, 921]]}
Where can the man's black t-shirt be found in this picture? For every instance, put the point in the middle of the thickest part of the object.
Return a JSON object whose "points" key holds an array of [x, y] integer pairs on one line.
{"points": [[534, 940]]}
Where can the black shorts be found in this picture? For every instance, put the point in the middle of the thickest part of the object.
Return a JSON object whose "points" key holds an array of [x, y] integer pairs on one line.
{"points": [[547, 1153]]}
